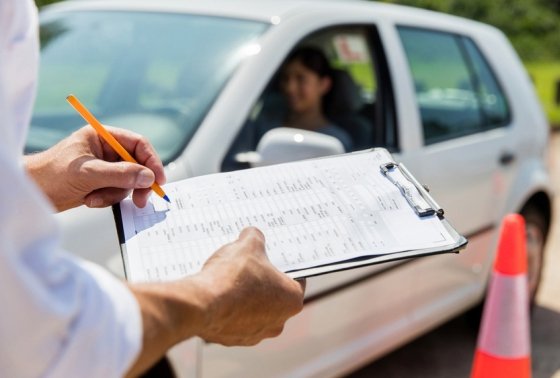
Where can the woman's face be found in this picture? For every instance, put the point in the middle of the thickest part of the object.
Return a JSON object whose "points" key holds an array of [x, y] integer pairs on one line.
{"points": [[302, 87]]}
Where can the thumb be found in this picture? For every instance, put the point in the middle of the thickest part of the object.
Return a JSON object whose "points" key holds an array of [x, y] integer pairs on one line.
{"points": [[122, 174], [252, 241], [251, 233]]}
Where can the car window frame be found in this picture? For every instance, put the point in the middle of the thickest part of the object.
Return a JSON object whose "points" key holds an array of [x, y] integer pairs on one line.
{"points": [[509, 119], [385, 114]]}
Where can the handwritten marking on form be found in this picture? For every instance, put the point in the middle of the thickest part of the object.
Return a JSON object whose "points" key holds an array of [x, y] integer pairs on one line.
{"points": [[312, 213]]}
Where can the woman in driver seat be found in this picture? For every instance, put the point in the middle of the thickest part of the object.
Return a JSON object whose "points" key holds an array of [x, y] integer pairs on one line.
{"points": [[305, 82]]}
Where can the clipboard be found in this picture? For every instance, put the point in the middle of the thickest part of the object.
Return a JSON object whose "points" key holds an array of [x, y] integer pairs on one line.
{"points": [[416, 195]]}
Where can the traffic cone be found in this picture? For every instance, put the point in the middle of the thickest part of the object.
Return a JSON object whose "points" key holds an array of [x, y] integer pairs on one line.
{"points": [[503, 348]]}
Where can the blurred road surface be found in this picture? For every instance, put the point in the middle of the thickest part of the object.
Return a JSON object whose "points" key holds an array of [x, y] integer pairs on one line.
{"points": [[448, 350]]}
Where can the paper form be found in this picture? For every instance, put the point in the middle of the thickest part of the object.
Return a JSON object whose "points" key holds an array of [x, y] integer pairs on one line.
{"points": [[312, 213]]}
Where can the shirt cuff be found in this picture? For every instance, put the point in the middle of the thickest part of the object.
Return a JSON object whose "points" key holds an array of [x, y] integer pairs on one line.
{"points": [[127, 313]]}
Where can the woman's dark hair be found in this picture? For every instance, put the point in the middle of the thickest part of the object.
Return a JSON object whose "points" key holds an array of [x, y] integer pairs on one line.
{"points": [[313, 59]]}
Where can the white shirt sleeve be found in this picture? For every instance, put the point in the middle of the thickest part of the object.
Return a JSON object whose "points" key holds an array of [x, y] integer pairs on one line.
{"points": [[59, 316]]}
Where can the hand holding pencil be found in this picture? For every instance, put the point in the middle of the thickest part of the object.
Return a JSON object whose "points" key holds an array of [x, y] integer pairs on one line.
{"points": [[110, 139]]}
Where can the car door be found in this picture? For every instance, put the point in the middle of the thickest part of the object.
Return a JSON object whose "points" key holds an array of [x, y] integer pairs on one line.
{"points": [[465, 157]]}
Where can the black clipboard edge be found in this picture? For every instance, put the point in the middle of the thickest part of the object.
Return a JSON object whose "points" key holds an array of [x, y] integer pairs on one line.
{"points": [[117, 216]]}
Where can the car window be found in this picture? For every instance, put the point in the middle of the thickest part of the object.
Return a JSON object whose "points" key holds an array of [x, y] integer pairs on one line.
{"points": [[349, 106], [154, 73], [492, 99], [444, 84]]}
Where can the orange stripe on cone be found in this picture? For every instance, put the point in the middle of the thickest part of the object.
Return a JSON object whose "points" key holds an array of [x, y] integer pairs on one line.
{"points": [[503, 348], [512, 255], [492, 367]]}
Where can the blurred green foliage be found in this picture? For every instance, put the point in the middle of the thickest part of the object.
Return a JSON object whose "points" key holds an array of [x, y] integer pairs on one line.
{"points": [[533, 26], [545, 76], [41, 3]]}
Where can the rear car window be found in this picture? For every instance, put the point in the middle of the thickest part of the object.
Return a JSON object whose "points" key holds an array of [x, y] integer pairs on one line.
{"points": [[456, 91]]}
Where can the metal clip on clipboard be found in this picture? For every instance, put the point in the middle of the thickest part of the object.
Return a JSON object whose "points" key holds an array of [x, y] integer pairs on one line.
{"points": [[416, 195]]}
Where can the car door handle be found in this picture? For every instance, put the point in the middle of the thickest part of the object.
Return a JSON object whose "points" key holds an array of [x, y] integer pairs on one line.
{"points": [[507, 158]]}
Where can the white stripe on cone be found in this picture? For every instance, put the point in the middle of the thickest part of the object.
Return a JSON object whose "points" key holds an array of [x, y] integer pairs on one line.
{"points": [[505, 328]]}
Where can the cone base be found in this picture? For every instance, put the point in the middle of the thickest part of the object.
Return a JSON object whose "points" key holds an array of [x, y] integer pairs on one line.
{"points": [[487, 366]]}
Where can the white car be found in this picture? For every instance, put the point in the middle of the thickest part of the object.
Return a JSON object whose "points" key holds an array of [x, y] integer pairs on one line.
{"points": [[448, 96]]}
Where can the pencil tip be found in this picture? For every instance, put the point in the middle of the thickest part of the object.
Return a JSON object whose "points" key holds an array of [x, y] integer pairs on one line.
{"points": [[166, 198]]}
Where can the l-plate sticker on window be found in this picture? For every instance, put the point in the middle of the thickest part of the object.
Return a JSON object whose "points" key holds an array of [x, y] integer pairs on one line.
{"points": [[351, 48]]}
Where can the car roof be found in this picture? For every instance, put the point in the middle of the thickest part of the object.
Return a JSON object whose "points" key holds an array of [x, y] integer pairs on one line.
{"points": [[272, 11]]}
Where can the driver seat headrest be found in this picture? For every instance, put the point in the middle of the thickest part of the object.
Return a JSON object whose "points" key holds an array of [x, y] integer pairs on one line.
{"points": [[344, 96]]}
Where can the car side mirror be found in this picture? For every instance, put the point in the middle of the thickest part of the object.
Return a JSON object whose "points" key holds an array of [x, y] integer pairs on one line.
{"points": [[284, 144]]}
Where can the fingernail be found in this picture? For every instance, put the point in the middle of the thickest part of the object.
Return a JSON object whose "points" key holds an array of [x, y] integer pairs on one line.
{"points": [[95, 202], [145, 178]]}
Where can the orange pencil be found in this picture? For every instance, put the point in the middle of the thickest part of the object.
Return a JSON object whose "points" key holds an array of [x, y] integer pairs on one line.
{"points": [[102, 131]]}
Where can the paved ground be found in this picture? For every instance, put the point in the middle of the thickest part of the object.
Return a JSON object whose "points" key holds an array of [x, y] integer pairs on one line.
{"points": [[447, 351]]}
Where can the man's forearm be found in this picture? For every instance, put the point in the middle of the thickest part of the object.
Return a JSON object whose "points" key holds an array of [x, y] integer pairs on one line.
{"points": [[171, 313]]}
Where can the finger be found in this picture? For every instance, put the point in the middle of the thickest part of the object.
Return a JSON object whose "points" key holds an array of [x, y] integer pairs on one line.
{"points": [[297, 289], [141, 149], [140, 196], [251, 232], [124, 175], [126, 138], [275, 332], [251, 240], [302, 284], [105, 197], [216, 255]]}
